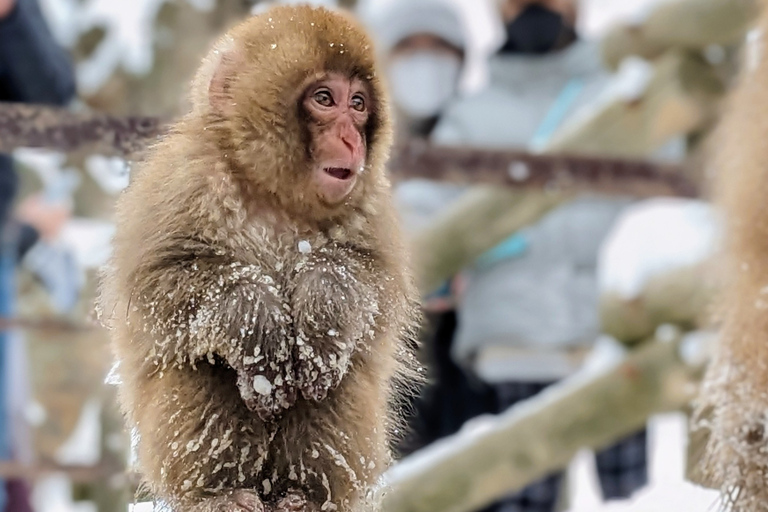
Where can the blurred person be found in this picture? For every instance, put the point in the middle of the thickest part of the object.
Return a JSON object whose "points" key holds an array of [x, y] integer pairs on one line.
{"points": [[529, 313], [33, 69], [424, 50], [424, 44]]}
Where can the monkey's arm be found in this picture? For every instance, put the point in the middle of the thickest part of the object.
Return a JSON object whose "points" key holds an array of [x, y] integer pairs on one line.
{"points": [[200, 305], [335, 302]]}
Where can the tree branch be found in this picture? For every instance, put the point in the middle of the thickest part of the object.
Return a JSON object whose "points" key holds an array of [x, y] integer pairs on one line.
{"points": [[35, 126], [44, 324], [554, 172], [499, 455]]}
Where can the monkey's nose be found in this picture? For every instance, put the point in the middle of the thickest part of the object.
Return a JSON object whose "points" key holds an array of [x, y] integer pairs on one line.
{"points": [[351, 139]]}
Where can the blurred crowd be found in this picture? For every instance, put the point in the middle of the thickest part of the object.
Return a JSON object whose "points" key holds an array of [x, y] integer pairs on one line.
{"points": [[520, 318], [528, 308]]}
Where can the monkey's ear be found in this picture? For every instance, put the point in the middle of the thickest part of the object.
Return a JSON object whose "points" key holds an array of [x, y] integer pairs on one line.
{"points": [[219, 96], [212, 85]]}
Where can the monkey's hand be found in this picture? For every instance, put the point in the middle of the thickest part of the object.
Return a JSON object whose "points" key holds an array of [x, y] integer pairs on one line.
{"points": [[335, 305], [267, 386], [211, 309], [265, 367], [239, 500]]}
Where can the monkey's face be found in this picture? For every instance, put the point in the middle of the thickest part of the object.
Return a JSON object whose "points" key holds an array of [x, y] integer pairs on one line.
{"points": [[292, 99], [337, 114]]}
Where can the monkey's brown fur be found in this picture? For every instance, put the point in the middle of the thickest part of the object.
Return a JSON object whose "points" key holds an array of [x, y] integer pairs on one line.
{"points": [[208, 287], [733, 404]]}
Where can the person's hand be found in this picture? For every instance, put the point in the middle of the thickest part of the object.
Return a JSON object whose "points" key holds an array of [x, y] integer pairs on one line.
{"points": [[46, 218], [443, 303], [6, 6], [439, 304]]}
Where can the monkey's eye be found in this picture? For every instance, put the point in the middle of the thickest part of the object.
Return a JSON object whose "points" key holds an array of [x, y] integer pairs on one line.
{"points": [[324, 98], [358, 103]]}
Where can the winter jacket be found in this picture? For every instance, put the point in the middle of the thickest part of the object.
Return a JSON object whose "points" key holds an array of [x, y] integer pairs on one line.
{"points": [[529, 309]]}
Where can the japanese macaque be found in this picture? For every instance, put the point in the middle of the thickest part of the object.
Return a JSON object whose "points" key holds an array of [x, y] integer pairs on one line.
{"points": [[733, 404], [258, 295]]}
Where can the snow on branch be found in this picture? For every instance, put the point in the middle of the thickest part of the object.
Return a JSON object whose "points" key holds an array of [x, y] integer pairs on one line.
{"points": [[496, 455]]}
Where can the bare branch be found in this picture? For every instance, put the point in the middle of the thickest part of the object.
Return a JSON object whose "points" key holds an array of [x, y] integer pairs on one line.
{"points": [[519, 169], [43, 325], [36, 126]]}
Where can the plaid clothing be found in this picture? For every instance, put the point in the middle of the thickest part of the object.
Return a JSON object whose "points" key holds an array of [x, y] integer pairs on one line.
{"points": [[622, 468], [453, 397], [540, 496]]}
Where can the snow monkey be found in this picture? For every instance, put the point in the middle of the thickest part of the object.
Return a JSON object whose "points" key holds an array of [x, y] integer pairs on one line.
{"points": [[733, 404], [258, 294]]}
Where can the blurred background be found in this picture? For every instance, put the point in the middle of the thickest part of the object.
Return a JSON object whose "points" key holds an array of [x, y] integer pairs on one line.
{"points": [[559, 223]]}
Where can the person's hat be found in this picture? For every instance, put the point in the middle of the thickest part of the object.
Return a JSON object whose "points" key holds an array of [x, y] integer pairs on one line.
{"points": [[404, 18]]}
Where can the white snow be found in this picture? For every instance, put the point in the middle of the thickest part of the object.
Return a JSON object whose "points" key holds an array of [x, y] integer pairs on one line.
{"points": [[35, 413], [128, 43], [696, 347], [519, 171], [667, 490], [261, 385], [59, 182], [54, 494], [754, 48], [304, 247], [113, 377], [89, 240], [597, 16], [84, 447], [443, 449], [146, 506], [631, 80], [111, 173], [203, 5], [606, 354], [653, 237]]}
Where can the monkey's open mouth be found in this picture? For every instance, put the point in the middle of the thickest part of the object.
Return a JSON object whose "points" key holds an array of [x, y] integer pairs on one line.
{"points": [[340, 173]]}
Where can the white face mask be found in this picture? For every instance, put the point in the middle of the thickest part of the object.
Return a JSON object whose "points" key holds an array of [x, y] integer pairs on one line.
{"points": [[423, 82]]}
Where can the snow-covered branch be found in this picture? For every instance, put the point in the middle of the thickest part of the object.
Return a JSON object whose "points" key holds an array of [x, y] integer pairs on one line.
{"points": [[494, 456]]}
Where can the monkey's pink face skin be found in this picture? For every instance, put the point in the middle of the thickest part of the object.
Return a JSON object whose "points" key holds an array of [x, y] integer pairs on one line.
{"points": [[338, 112]]}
